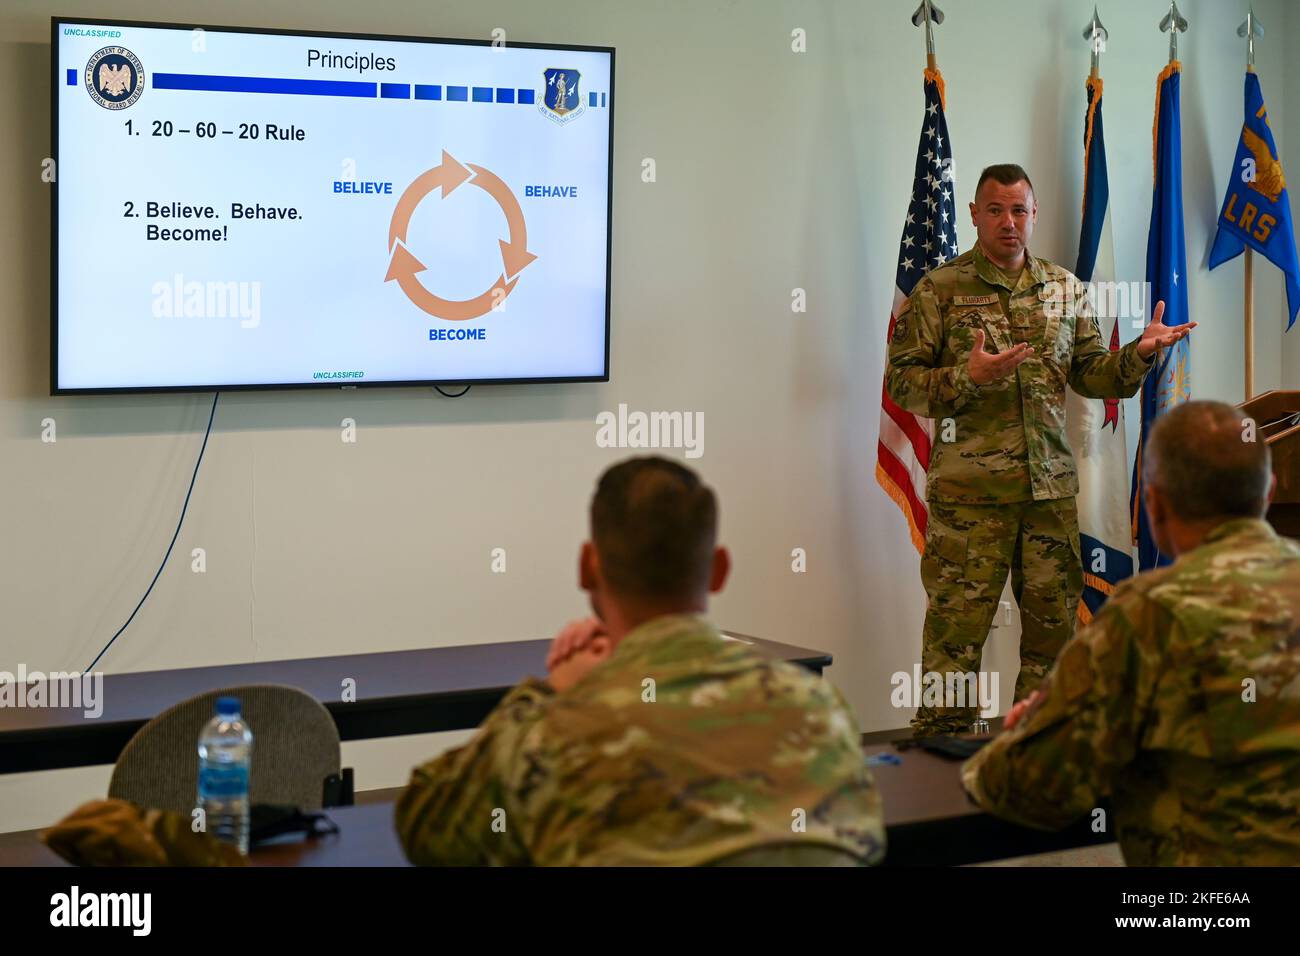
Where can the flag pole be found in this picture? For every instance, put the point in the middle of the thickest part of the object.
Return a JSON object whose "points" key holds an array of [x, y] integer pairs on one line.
{"points": [[927, 13], [905, 440], [1096, 35], [1173, 23], [1250, 29]]}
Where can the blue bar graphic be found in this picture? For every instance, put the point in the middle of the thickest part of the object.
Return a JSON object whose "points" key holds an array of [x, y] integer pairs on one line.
{"points": [[390, 91], [591, 99], [602, 99], [260, 84], [72, 78]]}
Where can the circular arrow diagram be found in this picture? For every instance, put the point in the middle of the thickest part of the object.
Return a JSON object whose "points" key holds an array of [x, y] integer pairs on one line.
{"points": [[403, 266]]}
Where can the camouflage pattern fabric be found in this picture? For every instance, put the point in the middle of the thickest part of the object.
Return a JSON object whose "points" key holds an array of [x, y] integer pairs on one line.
{"points": [[998, 444], [1149, 704], [968, 550], [1008, 436], [735, 752], [119, 833]]}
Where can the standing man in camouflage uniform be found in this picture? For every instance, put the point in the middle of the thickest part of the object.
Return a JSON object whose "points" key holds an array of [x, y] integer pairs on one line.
{"points": [[985, 345], [1181, 700], [654, 740]]}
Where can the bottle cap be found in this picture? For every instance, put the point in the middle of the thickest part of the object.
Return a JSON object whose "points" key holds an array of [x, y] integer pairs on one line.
{"points": [[228, 706]]}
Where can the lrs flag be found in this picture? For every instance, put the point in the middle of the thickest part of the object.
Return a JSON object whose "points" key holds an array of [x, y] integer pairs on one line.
{"points": [[1256, 210], [1096, 426], [929, 240]]}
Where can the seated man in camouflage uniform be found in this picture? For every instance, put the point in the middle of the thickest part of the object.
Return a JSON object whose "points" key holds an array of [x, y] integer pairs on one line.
{"points": [[654, 740], [1181, 700]]}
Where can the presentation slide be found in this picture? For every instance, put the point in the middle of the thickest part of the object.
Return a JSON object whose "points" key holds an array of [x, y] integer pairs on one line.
{"points": [[244, 208]]}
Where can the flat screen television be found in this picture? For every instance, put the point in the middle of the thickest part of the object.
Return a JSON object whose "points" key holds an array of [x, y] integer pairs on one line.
{"points": [[245, 208]]}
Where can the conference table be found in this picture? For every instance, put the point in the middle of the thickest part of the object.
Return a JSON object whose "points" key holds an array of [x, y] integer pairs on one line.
{"points": [[396, 693], [928, 821], [928, 818]]}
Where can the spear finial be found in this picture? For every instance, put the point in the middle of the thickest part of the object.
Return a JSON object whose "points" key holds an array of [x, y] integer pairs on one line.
{"points": [[1097, 35], [927, 13], [1173, 23], [1250, 28]]}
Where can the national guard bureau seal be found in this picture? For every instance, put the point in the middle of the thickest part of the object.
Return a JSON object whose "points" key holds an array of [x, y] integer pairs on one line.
{"points": [[561, 101], [114, 78]]}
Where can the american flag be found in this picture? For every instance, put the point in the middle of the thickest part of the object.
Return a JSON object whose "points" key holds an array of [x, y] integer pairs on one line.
{"points": [[929, 240]]}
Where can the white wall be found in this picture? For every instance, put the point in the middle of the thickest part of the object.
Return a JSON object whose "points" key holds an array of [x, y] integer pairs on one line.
{"points": [[775, 170]]}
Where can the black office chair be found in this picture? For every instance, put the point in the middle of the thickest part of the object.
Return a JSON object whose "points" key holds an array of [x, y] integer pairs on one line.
{"points": [[296, 752]]}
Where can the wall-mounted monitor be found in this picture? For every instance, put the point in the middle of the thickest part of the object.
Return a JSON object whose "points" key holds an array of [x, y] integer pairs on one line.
{"points": [[241, 208]]}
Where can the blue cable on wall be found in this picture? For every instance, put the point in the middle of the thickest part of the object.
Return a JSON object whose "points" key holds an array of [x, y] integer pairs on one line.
{"points": [[184, 508]]}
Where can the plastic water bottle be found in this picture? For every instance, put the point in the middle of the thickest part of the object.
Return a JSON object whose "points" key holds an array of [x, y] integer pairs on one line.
{"points": [[225, 756]]}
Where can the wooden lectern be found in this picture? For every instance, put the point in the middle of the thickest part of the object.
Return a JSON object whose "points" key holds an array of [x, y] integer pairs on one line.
{"points": [[1277, 414]]}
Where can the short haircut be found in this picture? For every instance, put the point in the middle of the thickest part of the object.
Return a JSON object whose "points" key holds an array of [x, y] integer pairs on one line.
{"points": [[1008, 174], [654, 524], [1209, 462]]}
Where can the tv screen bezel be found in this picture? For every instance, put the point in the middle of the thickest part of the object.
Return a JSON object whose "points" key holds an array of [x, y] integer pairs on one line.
{"points": [[57, 22]]}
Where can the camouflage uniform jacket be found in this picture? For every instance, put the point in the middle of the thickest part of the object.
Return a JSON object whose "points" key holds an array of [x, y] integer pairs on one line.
{"points": [[1146, 704], [735, 752], [1009, 442]]}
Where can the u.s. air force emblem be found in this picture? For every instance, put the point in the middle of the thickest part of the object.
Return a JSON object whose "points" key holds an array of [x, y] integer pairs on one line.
{"points": [[114, 78]]}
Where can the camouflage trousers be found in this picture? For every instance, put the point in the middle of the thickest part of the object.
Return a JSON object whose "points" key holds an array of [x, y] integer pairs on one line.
{"points": [[968, 551]]}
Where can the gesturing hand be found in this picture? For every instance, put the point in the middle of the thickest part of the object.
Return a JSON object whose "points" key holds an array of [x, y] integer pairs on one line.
{"points": [[985, 367], [1157, 335]]}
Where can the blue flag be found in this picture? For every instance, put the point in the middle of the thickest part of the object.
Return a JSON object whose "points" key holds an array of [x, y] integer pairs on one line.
{"points": [[1256, 211], [1169, 383], [1096, 185]]}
